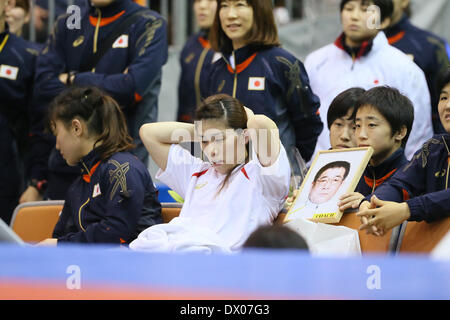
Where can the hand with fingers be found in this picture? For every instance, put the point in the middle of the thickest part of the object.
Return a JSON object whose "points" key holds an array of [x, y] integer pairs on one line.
{"points": [[378, 216], [350, 200], [366, 205]]}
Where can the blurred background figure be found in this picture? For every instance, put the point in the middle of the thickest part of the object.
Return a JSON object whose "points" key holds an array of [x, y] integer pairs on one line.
{"points": [[17, 17], [281, 13], [275, 237], [195, 60], [426, 49]]}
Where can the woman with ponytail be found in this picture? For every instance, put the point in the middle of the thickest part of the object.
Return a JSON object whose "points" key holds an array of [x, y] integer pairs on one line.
{"points": [[241, 186], [114, 198]]}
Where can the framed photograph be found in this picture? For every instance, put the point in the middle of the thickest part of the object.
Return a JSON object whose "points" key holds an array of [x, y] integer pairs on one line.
{"points": [[332, 174]]}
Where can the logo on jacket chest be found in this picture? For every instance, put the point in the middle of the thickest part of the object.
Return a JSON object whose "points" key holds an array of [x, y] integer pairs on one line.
{"points": [[200, 185], [221, 85], [189, 58], [256, 84], [96, 191], [8, 72], [78, 41], [121, 42]]}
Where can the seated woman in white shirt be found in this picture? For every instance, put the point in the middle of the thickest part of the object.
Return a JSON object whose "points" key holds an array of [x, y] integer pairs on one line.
{"points": [[242, 186]]}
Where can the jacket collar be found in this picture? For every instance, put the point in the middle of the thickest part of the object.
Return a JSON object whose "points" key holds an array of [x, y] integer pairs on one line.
{"points": [[396, 160], [5, 32], [397, 28], [355, 53], [243, 57], [88, 165], [202, 37], [115, 8]]}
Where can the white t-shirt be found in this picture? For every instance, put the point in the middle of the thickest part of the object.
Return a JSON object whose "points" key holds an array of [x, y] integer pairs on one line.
{"points": [[211, 220]]}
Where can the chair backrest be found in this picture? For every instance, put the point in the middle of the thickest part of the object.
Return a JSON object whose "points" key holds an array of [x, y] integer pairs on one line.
{"points": [[370, 243], [422, 237], [170, 210], [35, 221]]}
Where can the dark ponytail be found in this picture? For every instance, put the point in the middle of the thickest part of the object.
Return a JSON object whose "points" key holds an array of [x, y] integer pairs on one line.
{"points": [[101, 113]]}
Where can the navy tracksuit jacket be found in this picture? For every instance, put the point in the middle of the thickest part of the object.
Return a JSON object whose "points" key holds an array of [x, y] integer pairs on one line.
{"points": [[424, 181], [112, 201], [17, 66]]}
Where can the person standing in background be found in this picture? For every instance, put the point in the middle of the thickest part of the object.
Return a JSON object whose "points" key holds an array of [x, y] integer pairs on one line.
{"points": [[195, 60], [266, 78], [430, 52], [17, 67]]}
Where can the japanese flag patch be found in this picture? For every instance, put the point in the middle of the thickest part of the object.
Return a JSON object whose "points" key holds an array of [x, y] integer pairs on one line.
{"points": [[8, 72], [97, 191], [121, 42], [257, 83]]}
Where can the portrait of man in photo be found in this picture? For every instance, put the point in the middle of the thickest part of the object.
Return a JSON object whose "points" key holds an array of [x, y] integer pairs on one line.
{"points": [[323, 195]]}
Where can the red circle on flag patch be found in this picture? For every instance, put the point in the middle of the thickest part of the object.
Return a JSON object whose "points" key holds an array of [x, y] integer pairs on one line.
{"points": [[120, 41], [257, 83], [376, 82], [8, 72]]}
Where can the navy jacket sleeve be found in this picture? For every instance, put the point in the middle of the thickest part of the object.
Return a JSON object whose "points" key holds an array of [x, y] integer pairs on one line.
{"points": [[123, 197], [49, 64], [411, 181], [303, 106], [430, 206], [148, 49]]}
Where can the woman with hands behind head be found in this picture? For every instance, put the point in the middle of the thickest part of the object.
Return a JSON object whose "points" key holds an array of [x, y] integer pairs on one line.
{"points": [[241, 186]]}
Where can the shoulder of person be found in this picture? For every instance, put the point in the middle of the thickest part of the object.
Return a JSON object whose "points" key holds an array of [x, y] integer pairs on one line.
{"points": [[398, 60], [278, 53], [149, 16], [23, 46], [122, 163], [190, 44], [417, 32], [321, 55], [429, 149]]}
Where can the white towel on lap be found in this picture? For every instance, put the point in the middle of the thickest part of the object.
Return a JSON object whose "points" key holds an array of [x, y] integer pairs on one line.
{"points": [[179, 236]]}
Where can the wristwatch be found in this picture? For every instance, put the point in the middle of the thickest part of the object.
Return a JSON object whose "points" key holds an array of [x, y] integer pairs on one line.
{"points": [[40, 185]]}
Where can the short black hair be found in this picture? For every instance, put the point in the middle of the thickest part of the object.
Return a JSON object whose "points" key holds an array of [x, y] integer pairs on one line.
{"points": [[343, 102], [394, 106], [334, 164], [443, 79], [386, 7], [275, 237]]}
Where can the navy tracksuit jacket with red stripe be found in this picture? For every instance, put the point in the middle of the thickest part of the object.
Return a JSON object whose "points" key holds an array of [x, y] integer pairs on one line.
{"points": [[373, 177], [112, 201], [424, 180], [195, 60]]}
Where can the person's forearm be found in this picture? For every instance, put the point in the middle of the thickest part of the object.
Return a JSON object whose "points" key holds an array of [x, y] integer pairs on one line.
{"points": [[265, 137], [167, 132]]}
